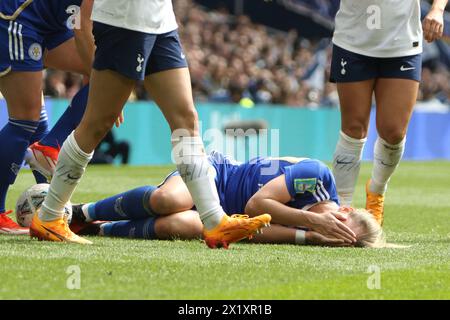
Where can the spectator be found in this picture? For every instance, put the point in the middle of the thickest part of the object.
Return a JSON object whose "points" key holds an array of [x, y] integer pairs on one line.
{"points": [[233, 60]]}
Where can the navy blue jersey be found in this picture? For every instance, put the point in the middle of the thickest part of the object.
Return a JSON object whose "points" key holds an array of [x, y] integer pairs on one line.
{"points": [[309, 181]]}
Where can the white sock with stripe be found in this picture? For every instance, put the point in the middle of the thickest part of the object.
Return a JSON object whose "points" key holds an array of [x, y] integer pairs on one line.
{"points": [[72, 162], [198, 174], [386, 159], [346, 166]]}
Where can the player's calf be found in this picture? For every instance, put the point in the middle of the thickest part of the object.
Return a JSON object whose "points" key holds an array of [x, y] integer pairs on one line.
{"points": [[184, 225]]}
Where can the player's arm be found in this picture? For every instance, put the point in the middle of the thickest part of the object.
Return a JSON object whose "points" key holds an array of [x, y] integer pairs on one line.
{"points": [[272, 199], [83, 35], [433, 24], [281, 234]]}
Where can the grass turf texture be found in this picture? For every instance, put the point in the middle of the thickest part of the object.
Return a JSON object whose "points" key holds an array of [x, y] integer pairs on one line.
{"points": [[417, 214]]}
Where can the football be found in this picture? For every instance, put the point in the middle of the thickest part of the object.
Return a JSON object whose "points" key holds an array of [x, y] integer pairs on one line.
{"points": [[31, 200]]}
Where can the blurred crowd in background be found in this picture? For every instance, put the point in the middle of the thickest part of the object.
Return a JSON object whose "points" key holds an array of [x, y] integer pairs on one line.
{"points": [[233, 60]]}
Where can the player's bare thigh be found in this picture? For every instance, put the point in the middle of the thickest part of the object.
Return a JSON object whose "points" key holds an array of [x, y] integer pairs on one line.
{"points": [[23, 94], [172, 197], [355, 103], [395, 100]]}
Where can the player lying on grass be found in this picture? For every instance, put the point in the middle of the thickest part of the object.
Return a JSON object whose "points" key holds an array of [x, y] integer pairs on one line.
{"points": [[296, 192]]}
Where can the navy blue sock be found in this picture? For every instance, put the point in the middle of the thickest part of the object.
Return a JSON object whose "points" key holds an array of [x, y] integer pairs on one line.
{"points": [[68, 121], [130, 205], [14, 140], [136, 229], [3, 191], [41, 131], [39, 177]]}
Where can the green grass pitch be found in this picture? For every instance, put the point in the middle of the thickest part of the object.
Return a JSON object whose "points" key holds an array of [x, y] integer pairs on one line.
{"points": [[417, 214]]}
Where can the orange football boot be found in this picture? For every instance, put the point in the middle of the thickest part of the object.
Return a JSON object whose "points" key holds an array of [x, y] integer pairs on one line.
{"points": [[233, 229], [375, 204], [57, 230]]}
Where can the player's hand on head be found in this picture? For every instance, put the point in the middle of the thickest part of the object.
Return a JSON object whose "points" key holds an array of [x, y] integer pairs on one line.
{"points": [[341, 216], [329, 225], [433, 25], [315, 238]]}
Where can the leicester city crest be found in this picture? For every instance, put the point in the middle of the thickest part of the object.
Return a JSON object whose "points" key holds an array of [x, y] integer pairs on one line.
{"points": [[35, 51]]}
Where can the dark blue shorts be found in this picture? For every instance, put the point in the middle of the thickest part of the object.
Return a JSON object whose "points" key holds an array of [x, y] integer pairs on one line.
{"points": [[136, 54], [22, 45], [347, 66]]}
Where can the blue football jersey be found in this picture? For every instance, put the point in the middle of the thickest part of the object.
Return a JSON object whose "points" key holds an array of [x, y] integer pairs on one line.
{"points": [[309, 181]]}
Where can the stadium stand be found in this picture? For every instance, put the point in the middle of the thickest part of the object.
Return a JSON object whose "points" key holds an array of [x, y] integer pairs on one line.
{"points": [[235, 60]]}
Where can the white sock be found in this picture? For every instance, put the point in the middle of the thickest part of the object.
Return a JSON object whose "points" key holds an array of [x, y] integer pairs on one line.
{"points": [[346, 165], [198, 174], [85, 210], [386, 159], [101, 232], [72, 162]]}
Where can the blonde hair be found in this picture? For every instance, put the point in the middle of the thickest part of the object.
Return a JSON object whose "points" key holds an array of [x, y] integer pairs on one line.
{"points": [[372, 235]]}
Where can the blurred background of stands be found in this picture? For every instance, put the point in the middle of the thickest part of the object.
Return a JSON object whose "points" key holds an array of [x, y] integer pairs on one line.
{"points": [[268, 52], [298, 132], [261, 59]]}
